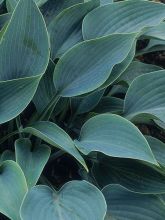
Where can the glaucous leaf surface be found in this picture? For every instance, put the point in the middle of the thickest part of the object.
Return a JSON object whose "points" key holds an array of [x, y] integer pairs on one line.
{"points": [[105, 2], [31, 159], [13, 188], [114, 136], [7, 155], [150, 96], [52, 8], [123, 204], [122, 17], [75, 200], [157, 32], [158, 148], [88, 65], [56, 136], [24, 54], [136, 69], [65, 30], [134, 175]]}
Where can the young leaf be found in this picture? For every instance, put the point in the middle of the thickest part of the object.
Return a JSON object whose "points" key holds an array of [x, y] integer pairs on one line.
{"points": [[31, 161], [75, 200], [114, 136], [150, 96], [123, 204], [88, 65], [134, 175], [24, 55], [57, 137], [13, 188], [122, 17]]}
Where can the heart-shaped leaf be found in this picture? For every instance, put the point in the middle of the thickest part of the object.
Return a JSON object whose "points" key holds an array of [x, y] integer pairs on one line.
{"points": [[114, 136], [134, 175], [88, 65], [57, 137], [150, 97], [123, 204], [31, 160], [13, 188], [122, 17], [76, 200], [24, 55]]}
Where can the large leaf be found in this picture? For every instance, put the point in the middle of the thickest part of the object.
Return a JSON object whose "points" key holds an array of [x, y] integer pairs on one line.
{"points": [[31, 159], [114, 136], [66, 29], [125, 205], [158, 148], [122, 17], [150, 96], [11, 4], [132, 174], [54, 135], [52, 8], [89, 64], [105, 2], [157, 32], [24, 54], [76, 200], [136, 69], [13, 188]]}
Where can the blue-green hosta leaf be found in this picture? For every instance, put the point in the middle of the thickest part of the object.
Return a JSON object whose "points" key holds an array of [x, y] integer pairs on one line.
{"points": [[109, 104], [24, 55], [105, 2], [122, 17], [157, 32], [150, 96], [3, 19], [66, 29], [31, 160], [7, 155], [88, 65], [121, 67], [45, 90], [158, 149], [81, 105], [52, 8], [136, 69], [11, 4], [114, 136], [153, 45], [126, 205], [132, 174], [57, 137], [13, 188], [75, 200]]}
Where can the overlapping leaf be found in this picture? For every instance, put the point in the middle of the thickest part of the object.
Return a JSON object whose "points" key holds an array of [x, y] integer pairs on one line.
{"points": [[66, 29], [88, 65], [122, 17], [150, 96], [123, 204], [114, 136], [31, 159], [134, 175], [13, 188], [54, 135], [75, 200], [24, 54]]}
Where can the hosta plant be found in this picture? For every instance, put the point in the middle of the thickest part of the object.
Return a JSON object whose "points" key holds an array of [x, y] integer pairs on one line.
{"points": [[82, 113]]}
